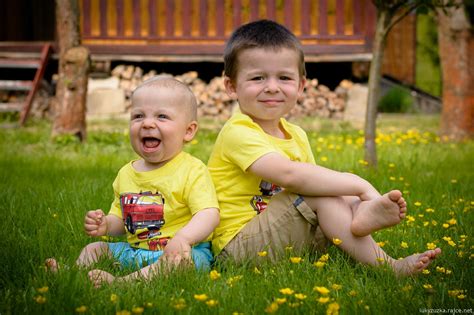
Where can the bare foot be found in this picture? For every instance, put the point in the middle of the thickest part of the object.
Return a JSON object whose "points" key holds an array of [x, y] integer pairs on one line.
{"points": [[51, 265], [376, 214], [415, 263], [98, 277]]}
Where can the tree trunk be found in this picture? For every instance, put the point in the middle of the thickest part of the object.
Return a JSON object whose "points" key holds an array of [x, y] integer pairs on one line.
{"points": [[71, 91], [383, 19], [456, 46]]}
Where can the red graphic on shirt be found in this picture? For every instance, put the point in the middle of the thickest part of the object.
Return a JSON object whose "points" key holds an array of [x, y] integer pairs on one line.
{"points": [[259, 203], [142, 210]]}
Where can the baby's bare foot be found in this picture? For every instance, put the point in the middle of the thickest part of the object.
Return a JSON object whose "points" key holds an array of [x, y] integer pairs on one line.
{"points": [[51, 265], [376, 214], [415, 263], [98, 277]]}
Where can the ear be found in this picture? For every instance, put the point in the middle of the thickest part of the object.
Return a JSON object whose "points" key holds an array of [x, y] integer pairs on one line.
{"points": [[301, 85], [230, 88], [191, 130]]}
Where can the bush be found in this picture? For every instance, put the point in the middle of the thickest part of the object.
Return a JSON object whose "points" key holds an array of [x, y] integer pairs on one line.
{"points": [[396, 100]]}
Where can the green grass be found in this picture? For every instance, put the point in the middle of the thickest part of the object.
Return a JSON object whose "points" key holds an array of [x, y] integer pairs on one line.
{"points": [[47, 187]]}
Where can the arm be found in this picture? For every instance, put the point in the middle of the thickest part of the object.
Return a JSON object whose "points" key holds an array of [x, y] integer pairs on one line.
{"points": [[310, 180], [96, 223]]}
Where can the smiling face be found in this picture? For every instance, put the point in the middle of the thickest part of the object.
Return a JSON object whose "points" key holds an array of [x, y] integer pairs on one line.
{"points": [[160, 123], [267, 84]]}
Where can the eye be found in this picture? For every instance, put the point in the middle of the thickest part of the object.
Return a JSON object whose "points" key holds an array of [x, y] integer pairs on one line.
{"points": [[257, 78], [163, 116], [137, 116], [285, 78]]}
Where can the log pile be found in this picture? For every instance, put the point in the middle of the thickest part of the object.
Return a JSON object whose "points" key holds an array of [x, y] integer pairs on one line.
{"points": [[213, 101]]}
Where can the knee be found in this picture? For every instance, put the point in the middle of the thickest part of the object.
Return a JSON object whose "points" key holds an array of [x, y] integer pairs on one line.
{"points": [[317, 203], [96, 247]]}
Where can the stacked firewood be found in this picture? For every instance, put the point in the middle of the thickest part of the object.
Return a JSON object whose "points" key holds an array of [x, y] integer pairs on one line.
{"points": [[213, 101]]}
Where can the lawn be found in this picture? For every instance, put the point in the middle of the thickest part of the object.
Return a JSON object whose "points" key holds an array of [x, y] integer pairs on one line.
{"points": [[48, 185]]}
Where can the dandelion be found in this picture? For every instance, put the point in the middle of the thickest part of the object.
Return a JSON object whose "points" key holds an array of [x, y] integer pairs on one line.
{"points": [[448, 272], [195, 141], [324, 258], [81, 309], [427, 286], [445, 225], [287, 291], [280, 301], [300, 296], [179, 304], [461, 254], [454, 292], [336, 286], [262, 253], [430, 210], [323, 300], [430, 245], [426, 223], [42, 290], [214, 275], [324, 159], [380, 260], [319, 264], [200, 297], [40, 299], [426, 272], [391, 165], [417, 203], [322, 290], [404, 244], [410, 218], [113, 298], [381, 244], [212, 303], [352, 292], [440, 269], [258, 272], [336, 241], [232, 280], [454, 181], [392, 178], [296, 260], [333, 309], [272, 308], [461, 296], [138, 310], [452, 221], [452, 243]]}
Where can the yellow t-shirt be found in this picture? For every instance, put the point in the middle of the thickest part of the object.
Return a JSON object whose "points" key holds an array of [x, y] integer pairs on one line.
{"points": [[242, 195], [160, 202]]}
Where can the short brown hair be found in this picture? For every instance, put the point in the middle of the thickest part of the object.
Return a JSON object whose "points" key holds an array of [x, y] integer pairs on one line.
{"points": [[259, 34]]}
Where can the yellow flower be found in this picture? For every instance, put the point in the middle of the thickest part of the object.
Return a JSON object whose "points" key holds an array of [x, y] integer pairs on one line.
{"points": [[296, 260], [319, 264], [381, 244], [287, 291], [324, 258], [440, 269], [380, 260], [81, 309], [214, 275], [233, 280], [280, 300], [323, 300], [324, 158], [113, 298], [429, 210], [427, 286], [461, 296], [445, 225], [448, 272], [434, 223], [200, 297], [300, 296], [333, 309], [322, 290], [454, 181], [426, 272], [256, 271], [42, 290], [336, 286], [404, 244], [452, 221], [391, 165], [295, 304], [426, 223], [451, 243], [289, 248], [179, 304], [417, 203], [407, 288], [336, 241], [392, 178], [352, 293], [122, 312], [137, 310], [454, 292], [272, 308], [410, 218], [195, 141], [430, 245], [40, 299], [212, 303], [262, 253], [149, 304]]}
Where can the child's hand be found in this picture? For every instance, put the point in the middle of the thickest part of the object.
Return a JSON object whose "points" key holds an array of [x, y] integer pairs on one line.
{"points": [[95, 223], [177, 251]]}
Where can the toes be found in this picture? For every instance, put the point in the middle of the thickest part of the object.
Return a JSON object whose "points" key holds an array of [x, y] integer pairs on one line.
{"points": [[395, 195]]}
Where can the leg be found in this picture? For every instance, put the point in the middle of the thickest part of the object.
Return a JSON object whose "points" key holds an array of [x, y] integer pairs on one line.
{"points": [[335, 218], [89, 255], [376, 214]]}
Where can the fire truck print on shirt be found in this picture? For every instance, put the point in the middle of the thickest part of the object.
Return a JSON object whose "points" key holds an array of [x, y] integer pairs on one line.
{"points": [[144, 210], [259, 203]]}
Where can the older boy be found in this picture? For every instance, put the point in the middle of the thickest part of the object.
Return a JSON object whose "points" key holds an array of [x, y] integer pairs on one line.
{"points": [[271, 192], [164, 201]]}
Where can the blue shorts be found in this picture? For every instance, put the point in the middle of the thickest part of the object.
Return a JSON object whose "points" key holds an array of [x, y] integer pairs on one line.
{"points": [[137, 257]]}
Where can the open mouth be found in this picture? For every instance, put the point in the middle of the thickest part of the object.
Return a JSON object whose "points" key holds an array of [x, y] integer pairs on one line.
{"points": [[150, 143]]}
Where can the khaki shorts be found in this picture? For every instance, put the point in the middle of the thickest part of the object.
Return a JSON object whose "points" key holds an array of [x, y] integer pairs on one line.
{"points": [[287, 221]]}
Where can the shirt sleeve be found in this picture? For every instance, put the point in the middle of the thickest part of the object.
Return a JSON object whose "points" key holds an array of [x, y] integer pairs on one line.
{"points": [[115, 208], [244, 145]]}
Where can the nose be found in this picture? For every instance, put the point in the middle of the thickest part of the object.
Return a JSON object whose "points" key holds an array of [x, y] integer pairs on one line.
{"points": [[272, 86], [149, 122]]}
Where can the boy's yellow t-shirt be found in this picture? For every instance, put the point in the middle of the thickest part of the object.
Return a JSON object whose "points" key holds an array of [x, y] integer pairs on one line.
{"points": [[162, 201], [242, 195]]}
